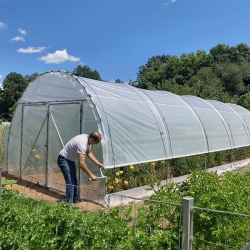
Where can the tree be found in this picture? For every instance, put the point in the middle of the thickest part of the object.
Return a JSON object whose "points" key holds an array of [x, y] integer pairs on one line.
{"points": [[151, 62], [132, 83], [118, 81], [244, 101], [205, 76], [172, 68], [87, 72], [232, 76], [222, 53], [14, 85], [30, 78]]}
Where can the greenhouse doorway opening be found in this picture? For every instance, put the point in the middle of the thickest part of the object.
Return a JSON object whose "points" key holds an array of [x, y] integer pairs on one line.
{"points": [[42, 140]]}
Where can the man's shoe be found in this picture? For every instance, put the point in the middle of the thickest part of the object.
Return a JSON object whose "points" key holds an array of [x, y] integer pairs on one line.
{"points": [[79, 200]]}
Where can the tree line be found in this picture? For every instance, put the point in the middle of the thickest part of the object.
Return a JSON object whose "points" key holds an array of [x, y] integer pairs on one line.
{"points": [[222, 74]]}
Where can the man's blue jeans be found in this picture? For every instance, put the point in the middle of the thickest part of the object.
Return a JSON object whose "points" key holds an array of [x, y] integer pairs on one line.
{"points": [[68, 169]]}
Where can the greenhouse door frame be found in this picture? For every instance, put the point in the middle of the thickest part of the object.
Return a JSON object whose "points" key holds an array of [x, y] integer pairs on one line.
{"points": [[47, 117]]}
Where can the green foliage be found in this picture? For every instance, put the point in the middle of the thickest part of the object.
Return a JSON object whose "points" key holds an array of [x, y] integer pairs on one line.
{"points": [[150, 173], [31, 224], [30, 78], [8, 182], [244, 100], [205, 76], [87, 72], [222, 74], [14, 85], [136, 175], [209, 191], [26, 223], [4, 131], [118, 81], [232, 75], [166, 68], [222, 53]]}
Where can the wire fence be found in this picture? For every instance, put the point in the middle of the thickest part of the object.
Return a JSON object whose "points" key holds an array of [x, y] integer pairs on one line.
{"points": [[221, 230], [37, 215], [135, 223]]}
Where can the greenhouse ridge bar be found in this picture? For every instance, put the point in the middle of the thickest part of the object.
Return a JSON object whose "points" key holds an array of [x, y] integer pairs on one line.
{"points": [[137, 125]]}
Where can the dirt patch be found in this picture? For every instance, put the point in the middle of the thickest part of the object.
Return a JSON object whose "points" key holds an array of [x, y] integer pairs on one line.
{"points": [[242, 170], [239, 170], [39, 192]]}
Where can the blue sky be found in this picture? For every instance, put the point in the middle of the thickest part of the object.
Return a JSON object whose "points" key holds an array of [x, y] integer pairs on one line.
{"points": [[115, 37]]}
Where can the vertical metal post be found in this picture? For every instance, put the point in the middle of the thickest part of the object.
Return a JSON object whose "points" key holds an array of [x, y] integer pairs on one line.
{"points": [[187, 233], [205, 159], [0, 161], [21, 146], [47, 149], [231, 155], [79, 171]]}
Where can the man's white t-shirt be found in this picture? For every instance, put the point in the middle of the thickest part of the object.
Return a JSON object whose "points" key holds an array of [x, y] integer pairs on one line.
{"points": [[77, 145]]}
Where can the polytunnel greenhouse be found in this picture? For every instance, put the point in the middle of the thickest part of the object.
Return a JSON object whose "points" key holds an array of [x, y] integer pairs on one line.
{"points": [[137, 126]]}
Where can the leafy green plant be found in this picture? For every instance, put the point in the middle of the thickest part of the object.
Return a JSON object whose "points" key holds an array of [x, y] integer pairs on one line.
{"points": [[8, 182], [148, 174], [26, 223], [230, 194], [4, 131]]}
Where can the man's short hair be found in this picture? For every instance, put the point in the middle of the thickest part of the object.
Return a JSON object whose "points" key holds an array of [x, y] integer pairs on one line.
{"points": [[96, 136]]}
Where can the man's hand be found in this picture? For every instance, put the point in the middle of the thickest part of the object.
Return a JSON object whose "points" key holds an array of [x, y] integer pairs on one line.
{"points": [[93, 177], [100, 166]]}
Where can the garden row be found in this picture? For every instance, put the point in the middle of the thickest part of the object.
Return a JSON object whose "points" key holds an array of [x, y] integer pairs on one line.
{"points": [[148, 173], [26, 223]]}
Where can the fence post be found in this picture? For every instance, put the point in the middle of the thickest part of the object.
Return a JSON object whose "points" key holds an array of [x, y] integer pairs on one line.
{"points": [[187, 233]]}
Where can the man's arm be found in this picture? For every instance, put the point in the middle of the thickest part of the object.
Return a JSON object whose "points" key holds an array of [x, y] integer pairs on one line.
{"points": [[93, 159], [84, 167]]}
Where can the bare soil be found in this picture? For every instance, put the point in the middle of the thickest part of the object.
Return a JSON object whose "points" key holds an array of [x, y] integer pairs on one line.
{"points": [[240, 170], [39, 192]]}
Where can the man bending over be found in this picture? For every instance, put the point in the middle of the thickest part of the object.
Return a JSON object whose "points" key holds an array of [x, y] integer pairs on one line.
{"points": [[77, 148]]}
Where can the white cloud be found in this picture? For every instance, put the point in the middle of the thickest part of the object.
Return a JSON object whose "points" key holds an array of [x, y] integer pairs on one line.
{"points": [[169, 2], [58, 57], [31, 50], [23, 32], [18, 38], [3, 26], [1, 76]]}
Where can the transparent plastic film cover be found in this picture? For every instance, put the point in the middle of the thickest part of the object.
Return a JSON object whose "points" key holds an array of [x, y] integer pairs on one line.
{"points": [[134, 133], [238, 129], [34, 139], [14, 142], [185, 130], [243, 113], [63, 126], [53, 86], [217, 133]]}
